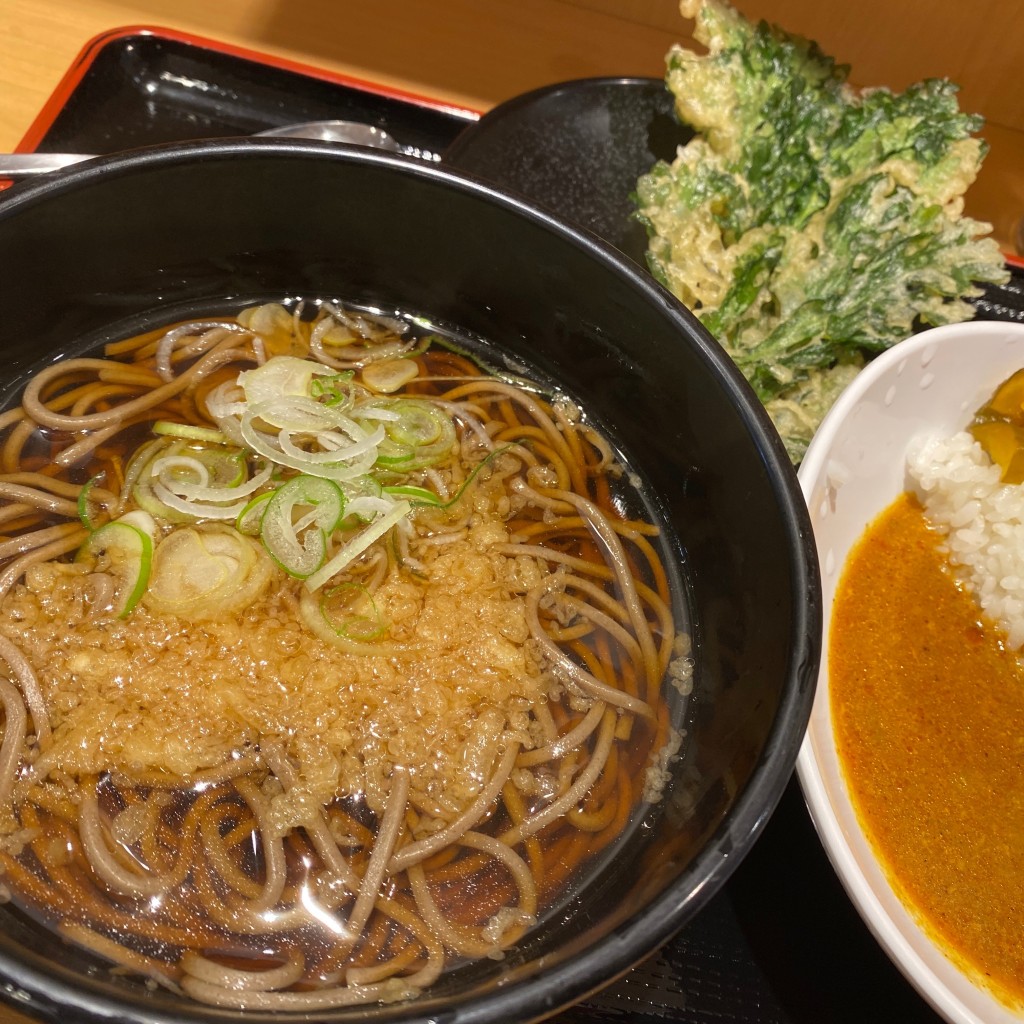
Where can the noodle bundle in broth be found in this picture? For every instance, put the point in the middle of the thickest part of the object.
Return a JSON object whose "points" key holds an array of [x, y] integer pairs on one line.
{"points": [[327, 660]]}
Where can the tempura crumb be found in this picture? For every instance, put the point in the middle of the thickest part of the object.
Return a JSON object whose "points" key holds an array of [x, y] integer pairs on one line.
{"points": [[658, 775]]}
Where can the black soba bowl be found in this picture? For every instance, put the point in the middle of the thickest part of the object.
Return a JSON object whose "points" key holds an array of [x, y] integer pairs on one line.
{"points": [[93, 252]]}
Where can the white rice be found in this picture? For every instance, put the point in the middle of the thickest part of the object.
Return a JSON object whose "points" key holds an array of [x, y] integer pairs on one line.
{"points": [[983, 523]]}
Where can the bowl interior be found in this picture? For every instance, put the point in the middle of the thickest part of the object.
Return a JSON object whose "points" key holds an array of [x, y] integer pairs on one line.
{"points": [[202, 227], [578, 148], [855, 468]]}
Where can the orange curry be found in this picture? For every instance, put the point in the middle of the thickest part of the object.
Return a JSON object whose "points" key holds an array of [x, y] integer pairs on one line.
{"points": [[928, 709]]}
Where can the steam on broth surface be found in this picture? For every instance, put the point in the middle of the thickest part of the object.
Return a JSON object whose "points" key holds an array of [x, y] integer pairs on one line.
{"points": [[330, 658]]}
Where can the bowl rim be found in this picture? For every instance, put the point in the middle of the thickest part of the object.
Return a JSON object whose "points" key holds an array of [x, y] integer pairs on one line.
{"points": [[889, 920], [533, 98], [550, 988]]}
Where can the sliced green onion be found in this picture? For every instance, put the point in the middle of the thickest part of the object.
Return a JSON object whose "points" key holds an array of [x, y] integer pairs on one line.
{"points": [[248, 521], [312, 617], [417, 495], [423, 496], [190, 432], [137, 464], [220, 490], [125, 551], [339, 469], [177, 469], [419, 423], [366, 507], [146, 498], [280, 532], [351, 612], [335, 390], [183, 481], [83, 503], [287, 376], [403, 461], [207, 572], [143, 521], [421, 435], [358, 545], [139, 477], [296, 412], [491, 370], [367, 486], [193, 509], [226, 468], [347, 450]]}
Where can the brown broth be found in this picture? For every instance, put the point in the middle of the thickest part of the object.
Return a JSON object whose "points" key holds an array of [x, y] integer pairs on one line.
{"points": [[211, 686], [928, 710]]}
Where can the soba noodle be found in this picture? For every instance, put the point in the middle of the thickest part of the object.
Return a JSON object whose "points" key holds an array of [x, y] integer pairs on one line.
{"points": [[327, 659]]}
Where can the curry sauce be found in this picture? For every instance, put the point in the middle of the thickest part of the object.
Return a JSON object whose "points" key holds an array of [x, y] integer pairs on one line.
{"points": [[928, 710]]}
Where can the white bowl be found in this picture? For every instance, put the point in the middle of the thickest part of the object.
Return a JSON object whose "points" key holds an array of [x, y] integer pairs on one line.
{"points": [[854, 469]]}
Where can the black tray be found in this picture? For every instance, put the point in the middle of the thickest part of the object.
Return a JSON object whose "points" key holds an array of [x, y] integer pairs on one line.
{"points": [[781, 944]]}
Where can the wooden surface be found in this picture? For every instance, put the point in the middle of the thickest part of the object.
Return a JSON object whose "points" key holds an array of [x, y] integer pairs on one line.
{"points": [[476, 53]]}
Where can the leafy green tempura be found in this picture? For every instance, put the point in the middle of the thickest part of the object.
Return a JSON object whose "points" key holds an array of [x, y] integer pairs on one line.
{"points": [[809, 225]]}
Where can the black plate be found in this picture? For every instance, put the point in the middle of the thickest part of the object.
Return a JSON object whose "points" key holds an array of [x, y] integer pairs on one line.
{"points": [[781, 943], [578, 148]]}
